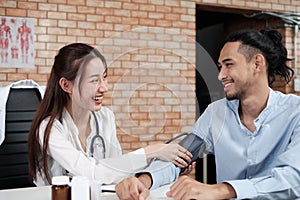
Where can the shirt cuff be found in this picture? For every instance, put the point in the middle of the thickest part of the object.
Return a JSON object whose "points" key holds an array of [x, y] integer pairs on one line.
{"points": [[160, 178], [244, 189], [161, 172]]}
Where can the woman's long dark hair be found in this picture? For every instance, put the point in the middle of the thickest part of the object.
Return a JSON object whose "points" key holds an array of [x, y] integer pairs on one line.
{"points": [[67, 63], [267, 42]]}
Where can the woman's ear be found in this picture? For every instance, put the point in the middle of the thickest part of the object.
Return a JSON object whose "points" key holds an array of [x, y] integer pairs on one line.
{"points": [[66, 85]]}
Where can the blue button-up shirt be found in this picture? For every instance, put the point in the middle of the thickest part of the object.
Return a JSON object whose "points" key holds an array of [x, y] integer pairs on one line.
{"points": [[264, 163]]}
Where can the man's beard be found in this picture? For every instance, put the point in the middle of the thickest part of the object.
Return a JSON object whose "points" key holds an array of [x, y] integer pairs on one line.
{"points": [[236, 95], [232, 96]]}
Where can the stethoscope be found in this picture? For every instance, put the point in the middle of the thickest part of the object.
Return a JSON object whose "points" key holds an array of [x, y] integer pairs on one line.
{"points": [[97, 136]]}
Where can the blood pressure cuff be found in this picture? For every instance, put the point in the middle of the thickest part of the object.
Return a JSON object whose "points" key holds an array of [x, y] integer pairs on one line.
{"points": [[193, 144]]}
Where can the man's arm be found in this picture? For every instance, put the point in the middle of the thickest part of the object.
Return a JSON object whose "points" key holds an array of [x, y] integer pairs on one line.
{"points": [[188, 188], [146, 180], [136, 188], [158, 173]]}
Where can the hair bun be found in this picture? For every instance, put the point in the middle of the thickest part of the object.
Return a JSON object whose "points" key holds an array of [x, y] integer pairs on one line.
{"points": [[274, 35]]}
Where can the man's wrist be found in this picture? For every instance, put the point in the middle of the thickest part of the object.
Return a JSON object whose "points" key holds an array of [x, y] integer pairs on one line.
{"points": [[145, 178], [227, 191]]}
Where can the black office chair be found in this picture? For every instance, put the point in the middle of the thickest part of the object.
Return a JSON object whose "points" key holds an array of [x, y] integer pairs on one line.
{"points": [[20, 109]]}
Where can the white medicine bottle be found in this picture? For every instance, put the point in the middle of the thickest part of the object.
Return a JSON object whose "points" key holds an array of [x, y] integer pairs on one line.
{"points": [[80, 188]]}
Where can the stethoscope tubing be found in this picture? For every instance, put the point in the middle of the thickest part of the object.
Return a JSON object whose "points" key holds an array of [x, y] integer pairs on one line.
{"points": [[97, 136]]}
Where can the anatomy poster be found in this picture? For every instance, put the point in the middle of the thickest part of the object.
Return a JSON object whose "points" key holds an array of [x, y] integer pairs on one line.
{"points": [[16, 42]]}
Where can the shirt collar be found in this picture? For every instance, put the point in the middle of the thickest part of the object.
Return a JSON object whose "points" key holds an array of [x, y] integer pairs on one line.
{"points": [[234, 106]]}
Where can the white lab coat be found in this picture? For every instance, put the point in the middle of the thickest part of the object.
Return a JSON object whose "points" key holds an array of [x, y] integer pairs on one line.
{"points": [[4, 92], [66, 153]]}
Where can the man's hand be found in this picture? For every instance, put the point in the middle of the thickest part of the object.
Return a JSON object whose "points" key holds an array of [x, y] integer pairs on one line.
{"points": [[188, 188], [134, 188]]}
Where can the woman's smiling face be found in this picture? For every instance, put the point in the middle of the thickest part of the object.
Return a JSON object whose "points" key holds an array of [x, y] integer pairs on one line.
{"points": [[90, 86]]}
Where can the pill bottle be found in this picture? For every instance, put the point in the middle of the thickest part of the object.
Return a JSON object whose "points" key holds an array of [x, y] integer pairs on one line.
{"points": [[60, 188], [80, 188]]}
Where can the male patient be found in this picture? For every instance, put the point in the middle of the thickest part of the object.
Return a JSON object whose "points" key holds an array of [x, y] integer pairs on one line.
{"points": [[254, 132]]}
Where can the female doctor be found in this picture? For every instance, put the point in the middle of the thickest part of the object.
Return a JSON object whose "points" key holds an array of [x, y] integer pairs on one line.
{"points": [[73, 134]]}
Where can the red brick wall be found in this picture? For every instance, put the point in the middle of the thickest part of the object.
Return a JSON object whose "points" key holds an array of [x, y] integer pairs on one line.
{"points": [[150, 49]]}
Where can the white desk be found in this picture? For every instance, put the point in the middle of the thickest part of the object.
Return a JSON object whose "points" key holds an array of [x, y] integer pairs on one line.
{"points": [[44, 193], [34, 193]]}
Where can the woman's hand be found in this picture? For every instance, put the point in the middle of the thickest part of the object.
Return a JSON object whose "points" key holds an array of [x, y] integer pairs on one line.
{"points": [[169, 152], [189, 169]]}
